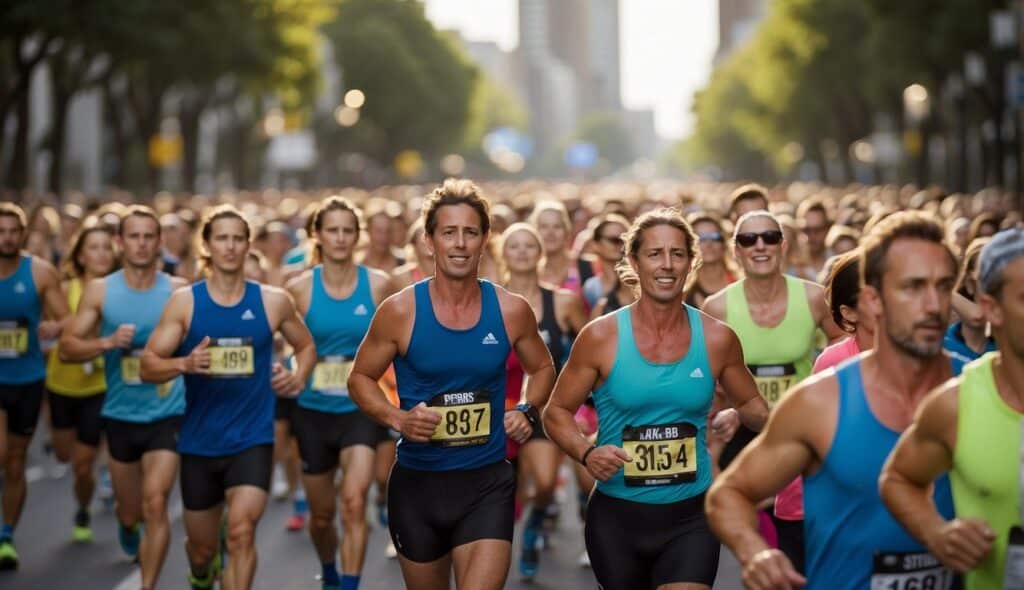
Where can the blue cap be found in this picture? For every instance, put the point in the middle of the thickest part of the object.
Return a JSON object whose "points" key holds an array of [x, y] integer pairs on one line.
{"points": [[1005, 247]]}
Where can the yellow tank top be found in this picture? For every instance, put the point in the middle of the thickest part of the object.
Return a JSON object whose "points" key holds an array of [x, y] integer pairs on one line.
{"points": [[74, 379]]}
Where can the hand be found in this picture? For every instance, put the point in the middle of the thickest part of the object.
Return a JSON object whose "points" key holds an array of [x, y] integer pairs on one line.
{"points": [[48, 330], [770, 569], [286, 383], [517, 426], [198, 361], [724, 424], [122, 337], [962, 543], [418, 424], [604, 462]]}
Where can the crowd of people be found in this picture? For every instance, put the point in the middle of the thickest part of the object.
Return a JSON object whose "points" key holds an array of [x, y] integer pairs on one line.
{"points": [[719, 364]]}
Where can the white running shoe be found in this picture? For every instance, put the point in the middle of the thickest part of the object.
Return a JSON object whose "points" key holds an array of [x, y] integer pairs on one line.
{"points": [[584, 560]]}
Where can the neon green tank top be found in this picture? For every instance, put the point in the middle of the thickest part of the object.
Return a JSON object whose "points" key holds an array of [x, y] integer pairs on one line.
{"points": [[74, 379], [986, 465], [778, 357]]}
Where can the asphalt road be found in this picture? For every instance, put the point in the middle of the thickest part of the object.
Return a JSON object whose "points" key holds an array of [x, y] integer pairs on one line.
{"points": [[287, 561]]}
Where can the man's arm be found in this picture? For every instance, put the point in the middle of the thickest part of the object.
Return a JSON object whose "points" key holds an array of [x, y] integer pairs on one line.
{"points": [[55, 303], [79, 342], [157, 364], [735, 378], [382, 285], [285, 382], [922, 455]]}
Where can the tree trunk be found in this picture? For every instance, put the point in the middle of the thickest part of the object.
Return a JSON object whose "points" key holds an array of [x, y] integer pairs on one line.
{"points": [[188, 120], [113, 109], [17, 172], [58, 136]]}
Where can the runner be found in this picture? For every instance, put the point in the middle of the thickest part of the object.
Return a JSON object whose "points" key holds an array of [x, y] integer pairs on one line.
{"points": [[971, 427], [652, 367], [559, 266], [337, 298], [966, 339], [141, 420], [608, 245], [837, 428], [717, 270], [75, 390], [560, 317], [218, 333], [28, 287], [747, 198], [451, 493]]}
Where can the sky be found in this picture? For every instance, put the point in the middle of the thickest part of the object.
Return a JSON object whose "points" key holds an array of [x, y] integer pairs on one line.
{"points": [[666, 49]]}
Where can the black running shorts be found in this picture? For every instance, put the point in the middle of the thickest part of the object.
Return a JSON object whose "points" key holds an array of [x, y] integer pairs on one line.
{"points": [[80, 413], [21, 403], [432, 512], [322, 436], [129, 441], [636, 546], [204, 480]]}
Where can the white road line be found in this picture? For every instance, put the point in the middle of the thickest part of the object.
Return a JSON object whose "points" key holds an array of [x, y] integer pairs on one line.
{"points": [[133, 581]]}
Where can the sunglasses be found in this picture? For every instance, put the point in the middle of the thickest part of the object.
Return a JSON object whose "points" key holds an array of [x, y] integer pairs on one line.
{"points": [[712, 237], [613, 240], [749, 239]]}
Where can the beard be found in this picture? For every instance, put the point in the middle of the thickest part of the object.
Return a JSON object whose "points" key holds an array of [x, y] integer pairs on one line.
{"points": [[905, 341], [12, 252]]}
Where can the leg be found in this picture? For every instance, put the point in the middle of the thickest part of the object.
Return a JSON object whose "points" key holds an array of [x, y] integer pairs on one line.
{"points": [[14, 487], [202, 493], [615, 555], [63, 440], [159, 468], [127, 481], [539, 459], [323, 506], [357, 463], [245, 508], [433, 575], [482, 564], [83, 463], [202, 538]]}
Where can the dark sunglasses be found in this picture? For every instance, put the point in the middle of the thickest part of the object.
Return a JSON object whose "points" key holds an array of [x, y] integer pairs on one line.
{"points": [[613, 240], [712, 237], [748, 239]]}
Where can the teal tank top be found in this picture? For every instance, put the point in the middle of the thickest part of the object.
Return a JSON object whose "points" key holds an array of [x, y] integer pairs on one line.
{"points": [[338, 327], [658, 413]]}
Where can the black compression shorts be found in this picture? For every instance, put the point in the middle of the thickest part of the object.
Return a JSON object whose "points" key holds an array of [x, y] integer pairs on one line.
{"points": [[21, 403], [80, 413], [204, 480], [636, 546], [322, 436], [129, 441], [432, 512]]}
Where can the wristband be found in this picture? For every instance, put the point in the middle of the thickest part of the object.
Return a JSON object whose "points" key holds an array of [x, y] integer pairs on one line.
{"points": [[531, 413], [583, 459]]}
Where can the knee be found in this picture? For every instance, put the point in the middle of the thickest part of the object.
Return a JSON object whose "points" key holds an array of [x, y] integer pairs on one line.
{"points": [[82, 468], [200, 553], [321, 520], [241, 535], [353, 507], [14, 465], [154, 508]]}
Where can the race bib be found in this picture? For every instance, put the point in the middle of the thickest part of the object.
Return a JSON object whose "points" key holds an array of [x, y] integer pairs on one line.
{"points": [[231, 357], [465, 418], [131, 365], [1013, 575], [773, 380], [330, 376], [909, 571], [662, 454], [13, 338]]}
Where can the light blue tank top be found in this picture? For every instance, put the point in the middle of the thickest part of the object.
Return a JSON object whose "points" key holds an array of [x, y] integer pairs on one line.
{"points": [[658, 412], [128, 398], [462, 374], [338, 327], [229, 412], [845, 522], [21, 360]]}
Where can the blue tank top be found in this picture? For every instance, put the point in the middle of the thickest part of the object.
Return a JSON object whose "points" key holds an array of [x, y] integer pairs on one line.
{"points": [[128, 398], [21, 360], [338, 326], [461, 373], [658, 412], [232, 409], [845, 522]]}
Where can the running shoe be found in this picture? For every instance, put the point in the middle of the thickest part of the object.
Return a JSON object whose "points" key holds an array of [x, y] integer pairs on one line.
{"points": [[382, 514], [105, 489], [129, 538], [8, 556], [529, 558], [82, 531], [295, 523]]}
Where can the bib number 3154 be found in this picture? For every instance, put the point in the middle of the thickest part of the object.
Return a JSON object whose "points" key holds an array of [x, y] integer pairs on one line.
{"points": [[465, 418], [662, 454]]}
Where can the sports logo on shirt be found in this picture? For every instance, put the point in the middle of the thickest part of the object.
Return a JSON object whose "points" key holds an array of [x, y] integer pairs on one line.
{"points": [[697, 373], [19, 288], [489, 339], [248, 315], [361, 310]]}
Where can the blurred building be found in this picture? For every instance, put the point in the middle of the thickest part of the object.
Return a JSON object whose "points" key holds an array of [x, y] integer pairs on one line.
{"points": [[737, 20], [642, 133]]}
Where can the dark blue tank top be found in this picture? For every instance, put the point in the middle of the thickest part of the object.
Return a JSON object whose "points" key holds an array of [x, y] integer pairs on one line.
{"points": [[232, 409], [461, 373], [845, 522], [21, 360]]}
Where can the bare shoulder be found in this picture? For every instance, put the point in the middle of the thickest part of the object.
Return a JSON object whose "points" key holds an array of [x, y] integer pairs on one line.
{"points": [[300, 282], [815, 292], [400, 304], [599, 330], [717, 333], [514, 308], [942, 405], [275, 295], [177, 282], [810, 411], [377, 276], [44, 271], [714, 305], [180, 302]]}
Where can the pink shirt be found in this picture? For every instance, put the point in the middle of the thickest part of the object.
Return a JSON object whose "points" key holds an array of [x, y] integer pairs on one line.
{"points": [[789, 503]]}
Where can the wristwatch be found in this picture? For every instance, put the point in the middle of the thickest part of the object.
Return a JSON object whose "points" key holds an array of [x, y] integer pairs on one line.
{"points": [[530, 412]]}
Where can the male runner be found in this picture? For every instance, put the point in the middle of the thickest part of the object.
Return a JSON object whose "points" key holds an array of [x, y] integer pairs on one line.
{"points": [[971, 427], [114, 319], [451, 492], [337, 299], [218, 333], [838, 427], [28, 286], [652, 367]]}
